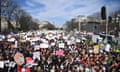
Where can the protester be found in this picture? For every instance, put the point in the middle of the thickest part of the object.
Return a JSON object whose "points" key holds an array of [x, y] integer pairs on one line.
{"points": [[50, 52]]}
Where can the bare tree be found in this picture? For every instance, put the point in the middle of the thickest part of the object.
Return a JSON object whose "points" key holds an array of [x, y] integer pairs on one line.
{"points": [[12, 12], [7, 10]]}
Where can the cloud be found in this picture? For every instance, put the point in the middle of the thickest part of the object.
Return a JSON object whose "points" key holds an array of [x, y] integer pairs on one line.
{"points": [[30, 4], [63, 10]]}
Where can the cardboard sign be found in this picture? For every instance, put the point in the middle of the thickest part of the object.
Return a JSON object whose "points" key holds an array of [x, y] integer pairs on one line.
{"points": [[19, 58], [1, 64], [61, 45]]}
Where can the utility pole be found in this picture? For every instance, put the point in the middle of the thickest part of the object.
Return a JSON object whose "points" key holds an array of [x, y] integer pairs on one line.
{"points": [[79, 25], [104, 15], [106, 24]]}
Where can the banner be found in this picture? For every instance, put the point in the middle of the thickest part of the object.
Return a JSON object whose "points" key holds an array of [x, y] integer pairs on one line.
{"points": [[19, 58]]}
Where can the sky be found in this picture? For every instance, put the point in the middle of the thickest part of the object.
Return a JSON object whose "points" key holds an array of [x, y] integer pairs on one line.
{"points": [[60, 11]]}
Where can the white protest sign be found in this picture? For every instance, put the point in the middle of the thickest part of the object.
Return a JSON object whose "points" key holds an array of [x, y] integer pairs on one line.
{"points": [[90, 51], [44, 45], [52, 44], [78, 40], [36, 47], [16, 44], [36, 55], [11, 40], [1, 39], [1, 64], [107, 47], [68, 42], [61, 45]]}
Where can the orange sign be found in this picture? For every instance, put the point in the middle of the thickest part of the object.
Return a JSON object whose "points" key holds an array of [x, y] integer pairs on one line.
{"points": [[19, 58]]}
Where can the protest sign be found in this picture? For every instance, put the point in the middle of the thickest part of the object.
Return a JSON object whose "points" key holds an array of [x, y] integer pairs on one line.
{"points": [[29, 60], [36, 47], [1, 64], [61, 45], [44, 45], [52, 44], [36, 55], [59, 52], [96, 48], [19, 58], [78, 40], [107, 47], [90, 51], [11, 39]]}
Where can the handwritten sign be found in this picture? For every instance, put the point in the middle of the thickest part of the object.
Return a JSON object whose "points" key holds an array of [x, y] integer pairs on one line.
{"points": [[36, 55], [1, 64], [44, 45], [29, 60], [36, 47], [59, 53], [19, 59], [61, 45], [96, 49]]}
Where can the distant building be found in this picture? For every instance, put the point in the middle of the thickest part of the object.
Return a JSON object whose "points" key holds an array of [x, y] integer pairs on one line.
{"points": [[46, 25], [88, 24], [93, 27]]}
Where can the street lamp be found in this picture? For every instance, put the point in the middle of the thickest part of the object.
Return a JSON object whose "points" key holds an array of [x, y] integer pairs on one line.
{"points": [[79, 24], [80, 19]]}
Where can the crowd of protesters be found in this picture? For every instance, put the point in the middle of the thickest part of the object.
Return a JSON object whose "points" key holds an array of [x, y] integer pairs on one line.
{"points": [[54, 52]]}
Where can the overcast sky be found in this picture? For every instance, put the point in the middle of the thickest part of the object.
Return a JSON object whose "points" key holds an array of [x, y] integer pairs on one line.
{"points": [[59, 11]]}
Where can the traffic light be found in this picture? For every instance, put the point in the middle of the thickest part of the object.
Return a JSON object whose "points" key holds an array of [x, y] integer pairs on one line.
{"points": [[103, 12]]}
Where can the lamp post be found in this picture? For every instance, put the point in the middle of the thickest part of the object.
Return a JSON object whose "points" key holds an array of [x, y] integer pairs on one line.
{"points": [[55, 27], [79, 22], [79, 25]]}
